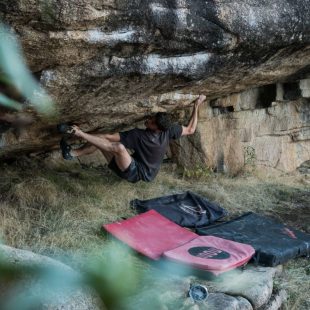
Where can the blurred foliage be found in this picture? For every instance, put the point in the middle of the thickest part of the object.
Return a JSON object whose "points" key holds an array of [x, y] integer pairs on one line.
{"points": [[9, 103], [112, 276], [13, 71]]}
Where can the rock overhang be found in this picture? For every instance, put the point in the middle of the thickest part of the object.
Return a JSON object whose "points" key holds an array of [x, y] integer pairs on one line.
{"points": [[104, 61]]}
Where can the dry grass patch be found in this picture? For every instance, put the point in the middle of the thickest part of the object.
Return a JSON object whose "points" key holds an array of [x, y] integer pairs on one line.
{"points": [[61, 210], [34, 192], [295, 280]]}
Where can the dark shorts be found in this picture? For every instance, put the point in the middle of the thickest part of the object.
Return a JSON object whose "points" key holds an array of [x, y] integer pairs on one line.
{"points": [[131, 174]]}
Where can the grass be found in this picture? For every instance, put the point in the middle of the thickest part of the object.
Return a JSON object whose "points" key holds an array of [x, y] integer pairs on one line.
{"points": [[58, 211], [295, 280]]}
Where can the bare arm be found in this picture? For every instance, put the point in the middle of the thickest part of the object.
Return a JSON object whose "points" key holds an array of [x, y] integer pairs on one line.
{"points": [[192, 125], [113, 137]]}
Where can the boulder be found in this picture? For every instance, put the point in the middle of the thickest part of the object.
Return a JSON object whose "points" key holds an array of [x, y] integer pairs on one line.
{"points": [[76, 299], [248, 289], [276, 301], [254, 283], [108, 63], [226, 302], [172, 293]]}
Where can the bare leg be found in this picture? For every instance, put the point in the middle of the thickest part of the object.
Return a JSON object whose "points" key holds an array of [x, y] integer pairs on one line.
{"points": [[89, 149], [84, 150], [108, 156], [109, 149]]}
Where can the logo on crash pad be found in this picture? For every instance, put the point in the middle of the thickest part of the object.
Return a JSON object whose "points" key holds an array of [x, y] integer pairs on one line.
{"points": [[193, 210], [208, 252]]}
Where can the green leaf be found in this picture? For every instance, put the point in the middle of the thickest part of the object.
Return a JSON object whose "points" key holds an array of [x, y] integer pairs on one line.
{"points": [[13, 65], [5, 80], [10, 103]]}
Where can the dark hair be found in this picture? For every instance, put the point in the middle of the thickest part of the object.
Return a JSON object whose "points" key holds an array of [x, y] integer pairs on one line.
{"points": [[163, 121]]}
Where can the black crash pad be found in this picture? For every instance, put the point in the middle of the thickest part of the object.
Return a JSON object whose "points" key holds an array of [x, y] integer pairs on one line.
{"points": [[274, 242], [187, 209]]}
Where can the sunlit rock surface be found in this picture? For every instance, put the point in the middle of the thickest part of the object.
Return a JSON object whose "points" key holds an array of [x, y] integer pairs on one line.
{"points": [[255, 129], [108, 63]]}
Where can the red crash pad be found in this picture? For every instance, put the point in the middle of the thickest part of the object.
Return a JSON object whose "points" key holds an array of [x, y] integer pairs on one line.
{"points": [[150, 233], [210, 253], [153, 235]]}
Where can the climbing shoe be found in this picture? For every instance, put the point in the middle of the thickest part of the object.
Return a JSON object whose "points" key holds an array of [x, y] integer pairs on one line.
{"points": [[65, 129], [65, 149]]}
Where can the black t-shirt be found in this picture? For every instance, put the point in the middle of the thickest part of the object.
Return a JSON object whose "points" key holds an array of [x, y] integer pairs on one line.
{"points": [[149, 148]]}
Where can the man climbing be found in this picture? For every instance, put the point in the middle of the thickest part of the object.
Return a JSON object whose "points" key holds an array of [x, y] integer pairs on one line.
{"points": [[149, 145]]}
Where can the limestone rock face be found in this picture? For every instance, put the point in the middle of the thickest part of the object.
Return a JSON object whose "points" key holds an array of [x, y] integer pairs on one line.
{"points": [[251, 129], [109, 62]]}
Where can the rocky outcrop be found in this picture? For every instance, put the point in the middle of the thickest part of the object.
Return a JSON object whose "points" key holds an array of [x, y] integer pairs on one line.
{"points": [[255, 284], [107, 63], [249, 289], [266, 128]]}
